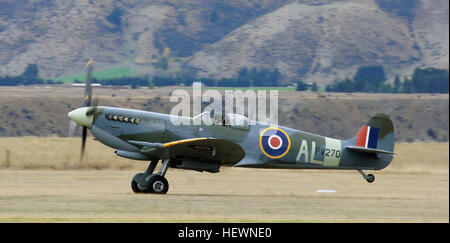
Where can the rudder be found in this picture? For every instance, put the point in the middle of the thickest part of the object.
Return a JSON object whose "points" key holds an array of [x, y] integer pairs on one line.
{"points": [[377, 133], [375, 137]]}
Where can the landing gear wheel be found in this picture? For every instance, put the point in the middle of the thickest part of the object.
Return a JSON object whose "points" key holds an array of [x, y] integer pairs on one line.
{"points": [[151, 183], [134, 187], [157, 184], [370, 178], [138, 183]]}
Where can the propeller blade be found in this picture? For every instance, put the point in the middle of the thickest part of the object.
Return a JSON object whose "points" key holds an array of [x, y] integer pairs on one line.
{"points": [[95, 101], [93, 107], [88, 86], [83, 142], [87, 102], [72, 128]]}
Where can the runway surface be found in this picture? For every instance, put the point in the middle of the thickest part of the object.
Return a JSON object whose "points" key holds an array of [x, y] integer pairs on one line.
{"points": [[234, 195]]}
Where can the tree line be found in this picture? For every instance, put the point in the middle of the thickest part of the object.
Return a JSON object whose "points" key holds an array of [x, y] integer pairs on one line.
{"points": [[372, 79], [244, 78], [366, 79], [28, 77]]}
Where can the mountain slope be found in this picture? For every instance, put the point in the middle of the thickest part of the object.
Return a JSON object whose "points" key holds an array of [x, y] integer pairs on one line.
{"points": [[430, 28], [316, 40], [320, 43], [60, 36]]}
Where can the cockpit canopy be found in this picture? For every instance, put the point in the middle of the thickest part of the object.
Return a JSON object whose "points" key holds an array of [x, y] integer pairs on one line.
{"points": [[230, 120], [237, 121]]}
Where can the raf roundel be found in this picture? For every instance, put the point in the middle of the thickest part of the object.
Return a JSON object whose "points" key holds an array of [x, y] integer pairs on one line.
{"points": [[274, 142]]}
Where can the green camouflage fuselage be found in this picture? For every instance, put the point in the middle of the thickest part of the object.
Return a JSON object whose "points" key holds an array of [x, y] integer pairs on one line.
{"points": [[301, 150]]}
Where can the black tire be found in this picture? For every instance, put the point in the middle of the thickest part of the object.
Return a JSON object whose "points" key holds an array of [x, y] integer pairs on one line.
{"points": [[157, 184], [138, 181], [134, 187], [370, 178]]}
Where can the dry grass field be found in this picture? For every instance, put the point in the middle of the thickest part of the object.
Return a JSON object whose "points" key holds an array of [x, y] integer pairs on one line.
{"points": [[44, 182], [235, 195]]}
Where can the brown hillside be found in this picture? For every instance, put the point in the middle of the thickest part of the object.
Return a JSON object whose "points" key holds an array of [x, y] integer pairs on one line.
{"points": [[327, 42], [317, 40], [59, 35]]}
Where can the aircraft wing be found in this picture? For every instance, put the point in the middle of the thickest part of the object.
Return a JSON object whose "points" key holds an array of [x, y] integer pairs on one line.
{"points": [[202, 149]]}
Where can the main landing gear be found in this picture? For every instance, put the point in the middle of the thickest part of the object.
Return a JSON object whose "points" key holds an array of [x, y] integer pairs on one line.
{"points": [[369, 178], [148, 182]]}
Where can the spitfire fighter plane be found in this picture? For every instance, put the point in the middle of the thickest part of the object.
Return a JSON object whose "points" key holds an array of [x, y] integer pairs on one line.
{"points": [[150, 136]]}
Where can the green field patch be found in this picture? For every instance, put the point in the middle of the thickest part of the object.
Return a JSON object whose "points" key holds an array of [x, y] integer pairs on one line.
{"points": [[102, 74]]}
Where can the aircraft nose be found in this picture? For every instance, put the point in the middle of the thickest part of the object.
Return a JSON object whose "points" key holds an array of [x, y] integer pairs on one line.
{"points": [[79, 117]]}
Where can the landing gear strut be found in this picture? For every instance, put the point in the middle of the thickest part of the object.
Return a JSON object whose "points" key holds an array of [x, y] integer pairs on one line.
{"points": [[148, 182], [369, 178]]}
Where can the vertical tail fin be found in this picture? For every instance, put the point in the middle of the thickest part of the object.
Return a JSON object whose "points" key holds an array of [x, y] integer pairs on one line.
{"points": [[375, 137], [367, 137], [377, 133]]}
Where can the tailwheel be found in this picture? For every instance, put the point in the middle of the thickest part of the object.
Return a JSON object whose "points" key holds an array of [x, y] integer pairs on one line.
{"points": [[370, 178], [157, 184]]}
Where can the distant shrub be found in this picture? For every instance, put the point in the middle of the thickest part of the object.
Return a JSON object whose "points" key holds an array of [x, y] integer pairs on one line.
{"points": [[431, 133], [115, 17], [371, 79]]}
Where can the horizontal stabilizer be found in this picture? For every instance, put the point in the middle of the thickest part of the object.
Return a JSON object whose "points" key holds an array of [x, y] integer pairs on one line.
{"points": [[369, 150]]}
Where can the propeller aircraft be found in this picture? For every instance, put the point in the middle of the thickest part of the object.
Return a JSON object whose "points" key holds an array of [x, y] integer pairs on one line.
{"points": [[151, 136]]}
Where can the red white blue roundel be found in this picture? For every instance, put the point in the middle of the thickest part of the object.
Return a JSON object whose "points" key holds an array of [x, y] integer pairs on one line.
{"points": [[274, 142]]}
